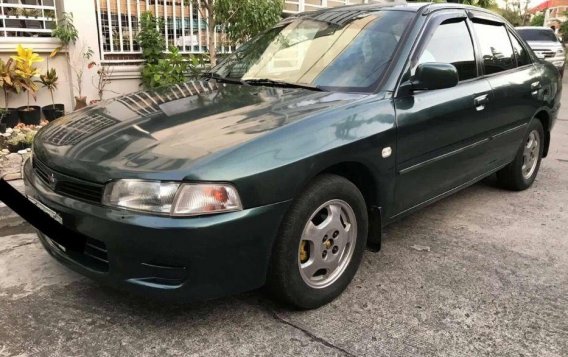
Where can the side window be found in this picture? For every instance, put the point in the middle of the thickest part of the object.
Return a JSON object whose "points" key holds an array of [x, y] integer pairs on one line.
{"points": [[523, 57], [495, 46], [451, 43]]}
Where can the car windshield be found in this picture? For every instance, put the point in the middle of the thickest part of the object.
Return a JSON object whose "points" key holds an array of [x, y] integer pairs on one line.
{"points": [[342, 50], [537, 35]]}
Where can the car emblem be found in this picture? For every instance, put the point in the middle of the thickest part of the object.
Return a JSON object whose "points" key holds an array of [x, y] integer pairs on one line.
{"points": [[52, 180]]}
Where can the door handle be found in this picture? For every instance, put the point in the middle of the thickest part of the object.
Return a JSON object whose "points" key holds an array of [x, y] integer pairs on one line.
{"points": [[480, 102], [535, 86]]}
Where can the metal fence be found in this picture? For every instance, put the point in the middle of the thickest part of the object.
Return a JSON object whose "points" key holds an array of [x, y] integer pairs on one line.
{"points": [[27, 18], [183, 26]]}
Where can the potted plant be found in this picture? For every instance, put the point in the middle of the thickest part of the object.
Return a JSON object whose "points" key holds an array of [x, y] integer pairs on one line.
{"points": [[9, 83], [78, 67], [30, 115], [67, 33], [49, 81]]}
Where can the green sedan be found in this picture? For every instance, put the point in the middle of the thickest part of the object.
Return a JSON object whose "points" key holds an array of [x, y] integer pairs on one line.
{"points": [[283, 163]]}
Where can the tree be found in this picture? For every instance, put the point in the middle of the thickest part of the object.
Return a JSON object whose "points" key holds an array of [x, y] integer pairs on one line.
{"points": [[538, 20], [241, 19], [564, 30], [516, 12], [486, 4], [247, 18], [512, 16]]}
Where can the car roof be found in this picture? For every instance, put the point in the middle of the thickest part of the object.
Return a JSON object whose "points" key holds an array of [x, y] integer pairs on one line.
{"points": [[349, 11], [395, 5], [541, 28]]}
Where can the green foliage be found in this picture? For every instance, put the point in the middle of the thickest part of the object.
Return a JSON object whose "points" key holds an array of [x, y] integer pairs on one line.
{"points": [[564, 30], [160, 70], [170, 70], [150, 39], [20, 140], [247, 18], [538, 20], [49, 81], [512, 16], [65, 31], [486, 4], [8, 79]]}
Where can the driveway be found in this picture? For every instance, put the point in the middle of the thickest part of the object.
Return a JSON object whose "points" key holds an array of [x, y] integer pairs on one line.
{"points": [[484, 272]]}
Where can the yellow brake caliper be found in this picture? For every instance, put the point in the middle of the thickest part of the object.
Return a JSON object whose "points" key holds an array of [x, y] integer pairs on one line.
{"points": [[304, 251]]}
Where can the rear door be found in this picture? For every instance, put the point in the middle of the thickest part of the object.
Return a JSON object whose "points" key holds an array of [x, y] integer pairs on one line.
{"points": [[441, 134], [508, 68]]}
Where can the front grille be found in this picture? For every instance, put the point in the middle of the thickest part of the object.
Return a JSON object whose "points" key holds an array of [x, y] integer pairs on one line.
{"points": [[546, 53], [68, 186], [81, 191]]}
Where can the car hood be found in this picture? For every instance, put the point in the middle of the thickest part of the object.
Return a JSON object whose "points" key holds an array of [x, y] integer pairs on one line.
{"points": [[545, 45], [162, 133]]}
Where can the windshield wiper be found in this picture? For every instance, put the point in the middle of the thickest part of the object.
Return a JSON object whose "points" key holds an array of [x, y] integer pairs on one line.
{"points": [[220, 78], [275, 83]]}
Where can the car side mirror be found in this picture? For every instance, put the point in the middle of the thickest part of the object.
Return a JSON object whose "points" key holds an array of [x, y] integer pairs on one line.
{"points": [[435, 75]]}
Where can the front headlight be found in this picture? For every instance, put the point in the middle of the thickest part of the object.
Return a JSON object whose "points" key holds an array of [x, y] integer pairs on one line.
{"points": [[172, 198], [560, 52]]}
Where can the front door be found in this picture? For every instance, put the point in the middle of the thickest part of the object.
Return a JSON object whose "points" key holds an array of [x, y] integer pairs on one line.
{"points": [[441, 133]]}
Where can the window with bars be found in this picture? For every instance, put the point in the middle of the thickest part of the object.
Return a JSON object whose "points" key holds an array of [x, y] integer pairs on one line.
{"points": [[183, 26], [27, 18]]}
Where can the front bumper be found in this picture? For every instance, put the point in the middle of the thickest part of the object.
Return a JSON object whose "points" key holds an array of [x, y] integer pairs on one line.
{"points": [[183, 259]]}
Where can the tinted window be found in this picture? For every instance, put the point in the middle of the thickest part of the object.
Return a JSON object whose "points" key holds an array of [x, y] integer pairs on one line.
{"points": [[523, 57], [537, 35], [496, 49], [451, 43]]}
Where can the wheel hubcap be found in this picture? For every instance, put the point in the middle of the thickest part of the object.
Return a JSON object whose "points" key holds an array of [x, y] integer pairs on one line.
{"points": [[327, 244], [531, 153]]}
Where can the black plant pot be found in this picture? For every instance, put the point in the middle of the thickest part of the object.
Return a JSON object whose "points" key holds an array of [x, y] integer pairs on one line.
{"points": [[11, 118], [17, 147], [31, 116], [54, 111]]}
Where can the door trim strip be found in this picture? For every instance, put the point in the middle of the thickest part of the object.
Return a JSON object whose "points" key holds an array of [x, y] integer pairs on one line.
{"points": [[443, 156], [459, 150]]}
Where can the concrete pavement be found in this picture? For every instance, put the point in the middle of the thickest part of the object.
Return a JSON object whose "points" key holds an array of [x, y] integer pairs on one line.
{"points": [[494, 282]]}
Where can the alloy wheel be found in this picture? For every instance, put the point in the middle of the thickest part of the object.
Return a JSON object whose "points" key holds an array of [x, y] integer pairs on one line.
{"points": [[327, 243], [530, 154]]}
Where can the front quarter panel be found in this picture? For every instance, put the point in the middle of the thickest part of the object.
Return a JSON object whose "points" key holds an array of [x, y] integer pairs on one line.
{"points": [[276, 167]]}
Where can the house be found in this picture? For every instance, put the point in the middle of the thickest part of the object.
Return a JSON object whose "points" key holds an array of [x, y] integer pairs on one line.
{"points": [[554, 12]]}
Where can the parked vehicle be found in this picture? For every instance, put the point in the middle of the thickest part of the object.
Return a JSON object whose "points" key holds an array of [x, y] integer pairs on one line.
{"points": [[545, 45], [288, 159]]}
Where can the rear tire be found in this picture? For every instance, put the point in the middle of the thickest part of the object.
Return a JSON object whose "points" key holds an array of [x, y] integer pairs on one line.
{"points": [[521, 173], [320, 244]]}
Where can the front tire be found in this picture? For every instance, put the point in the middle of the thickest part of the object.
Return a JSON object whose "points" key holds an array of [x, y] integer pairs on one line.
{"points": [[521, 173], [320, 245]]}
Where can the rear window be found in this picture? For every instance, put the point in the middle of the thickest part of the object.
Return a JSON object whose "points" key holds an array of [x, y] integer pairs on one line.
{"points": [[537, 35]]}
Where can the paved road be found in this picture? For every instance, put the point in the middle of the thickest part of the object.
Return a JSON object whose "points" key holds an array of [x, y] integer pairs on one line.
{"points": [[495, 282]]}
